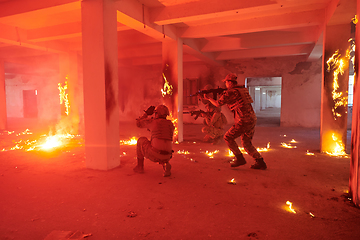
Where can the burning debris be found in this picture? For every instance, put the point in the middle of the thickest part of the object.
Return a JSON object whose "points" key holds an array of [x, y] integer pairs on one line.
{"points": [[131, 141], [287, 145], [309, 153], [290, 207], [211, 154], [44, 142], [265, 149], [232, 181]]}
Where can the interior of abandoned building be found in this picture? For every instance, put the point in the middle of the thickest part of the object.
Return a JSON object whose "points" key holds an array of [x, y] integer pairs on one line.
{"points": [[90, 66]]}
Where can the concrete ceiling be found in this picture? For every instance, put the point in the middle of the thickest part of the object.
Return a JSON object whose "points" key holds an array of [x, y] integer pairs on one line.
{"points": [[213, 31]]}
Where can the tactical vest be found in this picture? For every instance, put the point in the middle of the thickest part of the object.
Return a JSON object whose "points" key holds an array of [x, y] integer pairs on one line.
{"points": [[162, 129]]}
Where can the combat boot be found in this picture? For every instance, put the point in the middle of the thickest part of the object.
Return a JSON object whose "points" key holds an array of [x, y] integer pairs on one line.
{"points": [[238, 161], [259, 164], [140, 166], [167, 169]]}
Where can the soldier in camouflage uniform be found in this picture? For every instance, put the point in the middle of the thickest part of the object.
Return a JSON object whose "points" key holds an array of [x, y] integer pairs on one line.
{"points": [[214, 121], [159, 148], [238, 99]]}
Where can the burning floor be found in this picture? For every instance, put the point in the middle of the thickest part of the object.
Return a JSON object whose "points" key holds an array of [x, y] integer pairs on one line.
{"points": [[300, 196]]}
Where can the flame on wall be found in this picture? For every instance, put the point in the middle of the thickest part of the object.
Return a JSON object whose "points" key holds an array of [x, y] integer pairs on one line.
{"points": [[339, 64], [167, 89], [64, 96], [336, 145], [174, 121]]}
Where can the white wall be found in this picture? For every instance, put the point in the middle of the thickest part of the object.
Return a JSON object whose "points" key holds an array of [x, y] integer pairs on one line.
{"points": [[301, 97]]}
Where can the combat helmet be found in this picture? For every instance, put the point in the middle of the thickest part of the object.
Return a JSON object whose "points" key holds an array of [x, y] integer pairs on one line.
{"points": [[162, 111]]}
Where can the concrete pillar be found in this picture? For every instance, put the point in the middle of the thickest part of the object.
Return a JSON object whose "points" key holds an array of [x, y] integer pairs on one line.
{"points": [[68, 68], [354, 181], [172, 57], [333, 123], [3, 115], [100, 80]]}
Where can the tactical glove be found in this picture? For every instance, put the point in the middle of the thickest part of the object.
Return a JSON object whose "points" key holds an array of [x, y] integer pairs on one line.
{"points": [[150, 110]]}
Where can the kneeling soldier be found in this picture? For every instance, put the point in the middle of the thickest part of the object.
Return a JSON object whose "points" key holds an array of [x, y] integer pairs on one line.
{"points": [[159, 148]]}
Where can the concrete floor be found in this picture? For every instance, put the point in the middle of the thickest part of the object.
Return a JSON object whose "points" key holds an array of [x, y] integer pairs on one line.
{"points": [[45, 194]]}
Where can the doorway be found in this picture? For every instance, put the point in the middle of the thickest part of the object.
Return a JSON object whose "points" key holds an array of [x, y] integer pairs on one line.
{"points": [[30, 103]]}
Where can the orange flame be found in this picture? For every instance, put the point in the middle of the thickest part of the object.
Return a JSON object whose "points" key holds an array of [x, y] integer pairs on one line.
{"points": [[290, 206], [167, 87], [64, 96], [338, 65], [338, 148], [132, 141]]}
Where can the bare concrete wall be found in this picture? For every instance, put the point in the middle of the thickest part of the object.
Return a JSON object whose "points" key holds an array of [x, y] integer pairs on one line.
{"points": [[300, 96]]}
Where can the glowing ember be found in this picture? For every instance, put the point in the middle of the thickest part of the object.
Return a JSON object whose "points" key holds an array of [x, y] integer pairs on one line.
{"points": [[211, 154], [183, 152], [232, 181], [293, 141], [132, 141], [290, 206], [309, 153], [311, 214], [167, 90], [64, 96], [242, 150], [287, 145]]}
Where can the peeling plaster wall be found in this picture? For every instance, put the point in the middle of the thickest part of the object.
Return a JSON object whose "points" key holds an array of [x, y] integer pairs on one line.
{"points": [[301, 96]]}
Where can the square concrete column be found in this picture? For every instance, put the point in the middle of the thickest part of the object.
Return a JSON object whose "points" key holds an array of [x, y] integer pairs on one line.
{"points": [[100, 80], [172, 61], [333, 123], [68, 74], [3, 115], [354, 181]]}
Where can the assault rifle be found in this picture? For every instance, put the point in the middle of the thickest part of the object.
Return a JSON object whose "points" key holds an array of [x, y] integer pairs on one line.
{"points": [[196, 113], [214, 91]]}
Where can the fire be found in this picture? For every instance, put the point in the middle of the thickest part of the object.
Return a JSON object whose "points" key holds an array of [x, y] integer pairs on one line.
{"points": [[183, 152], [167, 89], [211, 154], [287, 145], [338, 65], [309, 153], [242, 150], [232, 181], [132, 141], [174, 121], [64, 96], [290, 206], [337, 146], [293, 141], [43, 143]]}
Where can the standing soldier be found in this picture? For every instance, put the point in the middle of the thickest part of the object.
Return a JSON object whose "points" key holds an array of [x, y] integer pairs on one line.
{"points": [[159, 148], [238, 100]]}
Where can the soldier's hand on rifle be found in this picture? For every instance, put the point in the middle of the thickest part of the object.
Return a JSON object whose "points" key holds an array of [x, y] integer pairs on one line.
{"points": [[150, 110]]}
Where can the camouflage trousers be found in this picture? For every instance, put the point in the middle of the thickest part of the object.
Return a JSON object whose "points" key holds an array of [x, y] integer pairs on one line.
{"points": [[145, 150], [213, 132], [244, 130]]}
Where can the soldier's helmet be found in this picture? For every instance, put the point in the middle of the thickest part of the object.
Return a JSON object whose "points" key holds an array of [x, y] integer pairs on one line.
{"points": [[230, 77], [162, 111]]}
